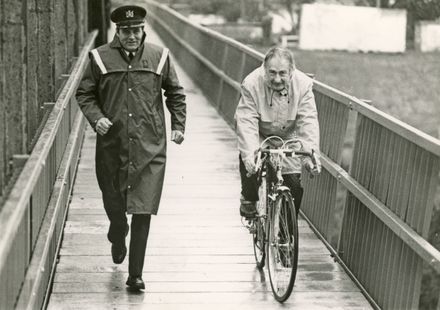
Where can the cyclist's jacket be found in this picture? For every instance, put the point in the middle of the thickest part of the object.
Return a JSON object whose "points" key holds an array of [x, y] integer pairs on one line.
{"points": [[130, 158], [290, 114]]}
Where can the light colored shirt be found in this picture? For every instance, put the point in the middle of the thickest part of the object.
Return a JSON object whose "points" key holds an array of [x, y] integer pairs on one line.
{"points": [[128, 53], [263, 112]]}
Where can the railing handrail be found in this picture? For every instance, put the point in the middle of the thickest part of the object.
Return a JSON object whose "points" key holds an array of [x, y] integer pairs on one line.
{"points": [[15, 205], [408, 235], [403, 129]]}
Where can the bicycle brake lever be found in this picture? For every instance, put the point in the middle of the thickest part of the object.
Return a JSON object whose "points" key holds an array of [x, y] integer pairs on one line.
{"points": [[257, 164], [313, 157], [315, 163]]}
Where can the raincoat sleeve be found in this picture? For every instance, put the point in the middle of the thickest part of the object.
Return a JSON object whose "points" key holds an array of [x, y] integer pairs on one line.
{"points": [[175, 97], [307, 121], [246, 123], [87, 93]]}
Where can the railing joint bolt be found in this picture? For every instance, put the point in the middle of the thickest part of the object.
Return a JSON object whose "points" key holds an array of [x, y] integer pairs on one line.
{"points": [[19, 160], [367, 101], [48, 105]]}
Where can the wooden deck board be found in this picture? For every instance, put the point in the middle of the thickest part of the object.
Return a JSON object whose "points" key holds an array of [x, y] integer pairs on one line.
{"points": [[214, 300], [198, 253]]}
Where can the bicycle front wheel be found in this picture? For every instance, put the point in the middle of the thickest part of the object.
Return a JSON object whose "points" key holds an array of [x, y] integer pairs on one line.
{"points": [[259, 243], [282, 247], [259, 235]]}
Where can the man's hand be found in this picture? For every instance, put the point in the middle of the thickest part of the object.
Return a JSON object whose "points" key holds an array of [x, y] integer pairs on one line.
{"points": [[313, 169], [103, 125], [249, 164], [177, 136]]}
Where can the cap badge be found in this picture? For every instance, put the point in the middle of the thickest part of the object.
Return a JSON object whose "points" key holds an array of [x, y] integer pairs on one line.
{"points": [[129, 13]]}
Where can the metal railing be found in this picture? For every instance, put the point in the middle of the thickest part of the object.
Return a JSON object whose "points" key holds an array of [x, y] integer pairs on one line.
{"points": [[389, 188], [31, 72], [32, 218]]}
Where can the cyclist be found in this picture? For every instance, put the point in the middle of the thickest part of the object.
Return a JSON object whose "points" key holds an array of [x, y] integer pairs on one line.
{"points": [[276, 99]]}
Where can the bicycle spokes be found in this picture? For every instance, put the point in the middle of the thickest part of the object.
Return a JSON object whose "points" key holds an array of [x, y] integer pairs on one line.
{"points": [[282, 247]]}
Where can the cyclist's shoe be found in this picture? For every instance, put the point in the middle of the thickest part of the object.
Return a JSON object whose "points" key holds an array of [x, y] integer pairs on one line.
{"points": [[252, 228], [248, 209]]}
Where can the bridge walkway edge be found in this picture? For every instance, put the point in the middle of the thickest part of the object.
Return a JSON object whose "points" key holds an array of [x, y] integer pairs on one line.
{"points": [[198, 253]]}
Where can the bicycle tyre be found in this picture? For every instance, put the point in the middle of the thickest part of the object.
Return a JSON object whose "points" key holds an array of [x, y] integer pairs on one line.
{"points": [[259, 235], [282, 246], [259, 243]]}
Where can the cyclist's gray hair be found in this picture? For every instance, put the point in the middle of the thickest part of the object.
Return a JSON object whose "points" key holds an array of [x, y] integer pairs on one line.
{"points": [[279, 52]]}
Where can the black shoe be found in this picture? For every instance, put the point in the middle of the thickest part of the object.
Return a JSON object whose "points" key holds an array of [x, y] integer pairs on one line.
{"points": [[135, 282], [119, 250]]}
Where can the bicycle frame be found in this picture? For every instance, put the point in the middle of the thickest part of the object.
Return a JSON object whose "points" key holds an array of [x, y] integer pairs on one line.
{"points": [[274, 184], [262, 164]]}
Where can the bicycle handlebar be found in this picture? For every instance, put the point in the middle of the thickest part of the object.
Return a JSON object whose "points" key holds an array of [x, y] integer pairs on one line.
{"points": [[291, 153], [287, 153], [284, 151]]}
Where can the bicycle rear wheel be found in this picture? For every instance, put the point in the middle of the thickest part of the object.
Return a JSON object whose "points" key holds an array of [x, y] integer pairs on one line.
{"points": [[282, 247], [259, 235]]}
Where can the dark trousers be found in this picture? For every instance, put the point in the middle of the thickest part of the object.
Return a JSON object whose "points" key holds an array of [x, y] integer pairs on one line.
{"points": [[249, 185], [140, 228]]}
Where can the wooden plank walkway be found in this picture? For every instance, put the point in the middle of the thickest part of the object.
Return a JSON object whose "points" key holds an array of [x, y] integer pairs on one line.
{"points": [[198, 253]]}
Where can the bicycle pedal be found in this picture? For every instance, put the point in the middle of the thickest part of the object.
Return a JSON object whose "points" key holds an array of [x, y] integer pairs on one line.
{"points": [[249, 224], [252, 229]]}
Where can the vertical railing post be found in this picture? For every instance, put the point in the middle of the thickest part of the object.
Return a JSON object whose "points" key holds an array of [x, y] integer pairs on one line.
{"points": [[60, 37], [15, 67], [98, 18], [2, 104], [220, 88], [33, 111], [46, 57], [241, 74]]}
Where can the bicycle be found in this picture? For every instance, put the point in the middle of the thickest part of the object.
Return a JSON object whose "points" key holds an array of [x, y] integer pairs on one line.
{"points": [[275, 227]]}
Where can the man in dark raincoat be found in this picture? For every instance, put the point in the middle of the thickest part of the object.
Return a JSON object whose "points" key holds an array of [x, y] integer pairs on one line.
{"points": [[120, 95]]}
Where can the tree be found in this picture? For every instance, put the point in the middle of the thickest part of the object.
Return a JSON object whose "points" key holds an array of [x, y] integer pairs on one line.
{"points": [[417, 10], [230, 9], [294, 8], [421, 9]]}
